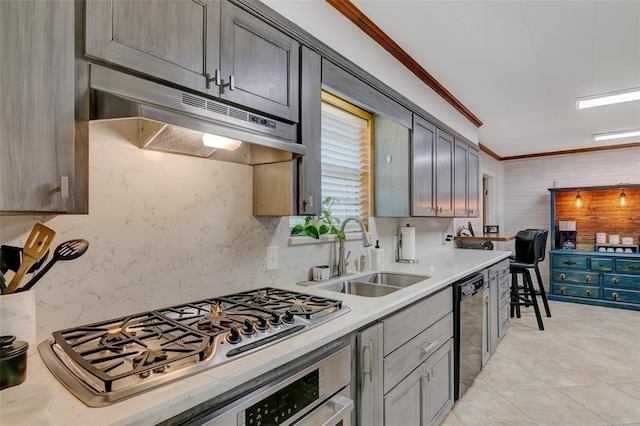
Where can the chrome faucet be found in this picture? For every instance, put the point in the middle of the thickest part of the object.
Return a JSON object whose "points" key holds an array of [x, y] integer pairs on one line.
{"points": [[366, 242]]}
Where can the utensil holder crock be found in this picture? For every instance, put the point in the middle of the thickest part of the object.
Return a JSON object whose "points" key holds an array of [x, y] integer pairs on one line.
{"points": [[18, 317]]}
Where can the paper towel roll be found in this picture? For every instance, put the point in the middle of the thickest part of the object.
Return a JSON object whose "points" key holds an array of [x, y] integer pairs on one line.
{"points": [[408, 238]]}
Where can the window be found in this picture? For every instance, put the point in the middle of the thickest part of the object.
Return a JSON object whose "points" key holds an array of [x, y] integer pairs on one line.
{"points": [[346, 134], [346, 157]]}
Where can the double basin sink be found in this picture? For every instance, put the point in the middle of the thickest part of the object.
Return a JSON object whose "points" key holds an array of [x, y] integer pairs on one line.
{"points": [[375, 285]]}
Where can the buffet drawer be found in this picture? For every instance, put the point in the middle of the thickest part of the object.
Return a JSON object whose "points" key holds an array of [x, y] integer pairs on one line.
{"points": [[577, 277], [622, 281], [577, 291], [628, 296], [601, 264], [628, 266], [572, 262]]}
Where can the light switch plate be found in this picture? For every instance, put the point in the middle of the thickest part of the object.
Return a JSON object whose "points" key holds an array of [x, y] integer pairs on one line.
{"points": [[272, 258]]}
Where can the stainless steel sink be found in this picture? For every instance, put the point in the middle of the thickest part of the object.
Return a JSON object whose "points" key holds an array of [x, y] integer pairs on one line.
{"points": [[360, 288], [394, 280]]}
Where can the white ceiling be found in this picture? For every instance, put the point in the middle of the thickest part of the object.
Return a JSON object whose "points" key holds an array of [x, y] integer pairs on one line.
{"points": [[520, 65]]}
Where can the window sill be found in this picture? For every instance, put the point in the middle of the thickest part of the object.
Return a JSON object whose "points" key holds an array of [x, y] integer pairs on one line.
{"points": [[300, 240]]}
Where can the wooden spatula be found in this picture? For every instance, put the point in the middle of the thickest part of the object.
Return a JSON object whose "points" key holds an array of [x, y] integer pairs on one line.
{"points": [[36, 246]]}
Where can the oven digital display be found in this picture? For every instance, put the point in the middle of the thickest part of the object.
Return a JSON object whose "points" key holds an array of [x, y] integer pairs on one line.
{"points": [[284, 404]]}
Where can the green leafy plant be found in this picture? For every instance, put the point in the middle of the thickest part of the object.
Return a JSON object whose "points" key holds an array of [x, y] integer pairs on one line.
{"points": [[314, 226]]}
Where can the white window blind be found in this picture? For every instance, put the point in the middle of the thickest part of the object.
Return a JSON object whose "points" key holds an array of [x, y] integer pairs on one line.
{"points": [[345, 141]]}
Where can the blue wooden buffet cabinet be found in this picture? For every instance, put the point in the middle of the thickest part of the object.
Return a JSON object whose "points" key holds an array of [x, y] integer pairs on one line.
{"points": [[587, 275]]}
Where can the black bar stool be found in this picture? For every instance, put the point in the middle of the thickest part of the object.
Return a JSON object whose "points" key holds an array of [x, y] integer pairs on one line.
{"points": [[528, 244], [541, 255]]}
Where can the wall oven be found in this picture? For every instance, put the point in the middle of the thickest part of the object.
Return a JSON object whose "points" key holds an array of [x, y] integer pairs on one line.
{"points": [[313, 394]]}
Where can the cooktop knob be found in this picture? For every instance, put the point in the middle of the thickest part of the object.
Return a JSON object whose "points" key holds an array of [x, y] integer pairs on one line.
{"points": [[275, 319], [287, 317], [233, 336], [249, 328], [262, 323]]}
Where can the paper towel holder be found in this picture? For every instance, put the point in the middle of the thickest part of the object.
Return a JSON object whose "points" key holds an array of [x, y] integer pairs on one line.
{"points": [[399, 255]]}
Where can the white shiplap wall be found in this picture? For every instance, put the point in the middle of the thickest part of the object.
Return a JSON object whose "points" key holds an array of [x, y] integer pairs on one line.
{"points": [[526, 183]]}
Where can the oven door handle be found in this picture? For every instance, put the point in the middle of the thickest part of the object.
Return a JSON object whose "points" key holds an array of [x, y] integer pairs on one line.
{"points": [[339, 408]]}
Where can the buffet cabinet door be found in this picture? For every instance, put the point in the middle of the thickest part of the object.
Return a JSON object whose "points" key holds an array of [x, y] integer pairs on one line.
{"points": [[370, 380]]}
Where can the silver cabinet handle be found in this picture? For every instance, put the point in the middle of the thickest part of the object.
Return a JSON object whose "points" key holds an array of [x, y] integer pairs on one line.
{"points": [[215, 79], [231, 84], [64, 187], [426, 350], [368, 370]]}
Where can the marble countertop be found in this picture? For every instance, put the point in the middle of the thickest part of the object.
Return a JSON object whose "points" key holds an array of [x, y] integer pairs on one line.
{"points": [[443, 267]]}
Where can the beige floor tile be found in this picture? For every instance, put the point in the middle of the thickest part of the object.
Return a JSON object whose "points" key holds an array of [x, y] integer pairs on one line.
{"points": [[550, 407], [556, 373], [632, 389], [614, 405], [451, 420], [508, 375], [488, 408]]}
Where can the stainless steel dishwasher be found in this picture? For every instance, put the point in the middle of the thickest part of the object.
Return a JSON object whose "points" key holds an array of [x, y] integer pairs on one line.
{"points": [[468, 331]]}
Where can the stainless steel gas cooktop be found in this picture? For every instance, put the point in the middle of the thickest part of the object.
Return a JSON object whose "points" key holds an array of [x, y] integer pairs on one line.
{"points": [[108, 361]]}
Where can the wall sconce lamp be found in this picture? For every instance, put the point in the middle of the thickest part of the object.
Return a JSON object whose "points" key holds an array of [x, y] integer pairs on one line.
{"points": [[623, 198], [578, 199]]}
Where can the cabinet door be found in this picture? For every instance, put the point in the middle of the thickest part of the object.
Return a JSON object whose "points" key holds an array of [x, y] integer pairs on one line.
{"points": [[310, 165], [175, 41], [422, 172], [444, 173], [438, 381], [473, 183], [486, 325], [369, 376], [391, 174], [37, 148], [259, 64], [403, 405], [460, 179]]}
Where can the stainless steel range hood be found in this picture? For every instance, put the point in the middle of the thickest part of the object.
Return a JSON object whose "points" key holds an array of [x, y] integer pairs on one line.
{"points": [[171, 120]]}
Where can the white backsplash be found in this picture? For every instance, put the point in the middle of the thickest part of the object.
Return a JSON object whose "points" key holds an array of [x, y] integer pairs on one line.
{"points": [[165, 229]]}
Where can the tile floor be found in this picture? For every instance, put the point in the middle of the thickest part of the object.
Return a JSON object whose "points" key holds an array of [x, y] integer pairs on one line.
{"points": [[583, 369]]}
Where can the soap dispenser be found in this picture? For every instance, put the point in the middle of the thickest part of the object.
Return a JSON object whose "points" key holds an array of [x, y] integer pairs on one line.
{"points": [[377, 257]]}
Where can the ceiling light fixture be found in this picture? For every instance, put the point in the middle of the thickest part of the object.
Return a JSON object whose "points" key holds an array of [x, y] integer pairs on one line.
{"points": [[609, 98], [617, 135]]}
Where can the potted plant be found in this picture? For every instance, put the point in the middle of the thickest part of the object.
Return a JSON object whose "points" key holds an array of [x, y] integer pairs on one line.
{"points": [[315, 226]]}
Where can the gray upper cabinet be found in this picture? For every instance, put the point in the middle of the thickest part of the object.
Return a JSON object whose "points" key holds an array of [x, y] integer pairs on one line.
{"points": [[41, 168], [259, 64], [473, 183], [391, 143], [423, 170], [444, 173], [175, 41], [209, 46], [460, 173]]}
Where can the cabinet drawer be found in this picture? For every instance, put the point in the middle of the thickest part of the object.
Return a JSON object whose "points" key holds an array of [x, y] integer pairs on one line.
{"points": [[503, 320], [408, 356], [627, 296], [403, 326], [577, 277], [577, 291], [500, 269], [622, 281], [601, 264], [573, 262], [627, 266]]}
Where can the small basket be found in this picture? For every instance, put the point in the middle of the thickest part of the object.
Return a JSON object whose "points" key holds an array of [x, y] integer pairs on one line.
{"points": [[321, 273]]}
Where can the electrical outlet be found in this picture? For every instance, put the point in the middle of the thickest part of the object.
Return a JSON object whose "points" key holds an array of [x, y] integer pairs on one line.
{"points": [[272, 258]]}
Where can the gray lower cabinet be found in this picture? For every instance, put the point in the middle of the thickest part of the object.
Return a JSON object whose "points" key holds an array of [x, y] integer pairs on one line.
{"points": [[497, 306], [210, 46], [425, 396], [43, 166], [405, 365]]}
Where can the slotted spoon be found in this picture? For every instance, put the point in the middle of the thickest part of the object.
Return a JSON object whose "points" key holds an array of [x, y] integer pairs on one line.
{"points": [[68, 250]]}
